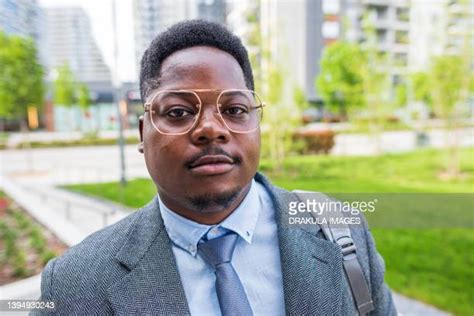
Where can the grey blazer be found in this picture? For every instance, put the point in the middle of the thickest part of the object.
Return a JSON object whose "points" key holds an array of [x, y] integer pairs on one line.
{"points": [[129, 268]]}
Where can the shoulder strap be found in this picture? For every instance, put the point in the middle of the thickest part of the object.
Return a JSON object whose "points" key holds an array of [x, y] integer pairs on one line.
{"points": [[341, 235]]}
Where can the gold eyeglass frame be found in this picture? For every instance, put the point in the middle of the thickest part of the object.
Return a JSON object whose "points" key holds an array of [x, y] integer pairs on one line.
{"points": [[147, 108]]}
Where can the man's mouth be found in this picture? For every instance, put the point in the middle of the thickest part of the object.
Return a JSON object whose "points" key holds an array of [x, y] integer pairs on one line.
{"points": [[211, 165]]}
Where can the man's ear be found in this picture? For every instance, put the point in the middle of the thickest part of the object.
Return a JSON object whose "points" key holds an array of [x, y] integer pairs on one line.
{"points": [[140, 130]]}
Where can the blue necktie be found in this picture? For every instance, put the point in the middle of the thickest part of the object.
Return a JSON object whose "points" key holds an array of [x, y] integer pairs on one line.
{"points": [[230, 292]]}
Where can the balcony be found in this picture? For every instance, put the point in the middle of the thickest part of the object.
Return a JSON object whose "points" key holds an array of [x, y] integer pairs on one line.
{"points": [[381, 24], [399, 48], [403, 14], [401, 37], [400, 60], [401, 26]]}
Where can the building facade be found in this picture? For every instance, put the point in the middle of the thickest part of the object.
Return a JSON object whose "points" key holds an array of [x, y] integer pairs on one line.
{"points": [[291, 33], [154, 16], [24, 18], [390, 22], [69, 40], [20, 17]]}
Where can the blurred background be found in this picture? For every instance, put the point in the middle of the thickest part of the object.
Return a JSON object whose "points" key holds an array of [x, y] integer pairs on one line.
{"points": [[364, 96]]}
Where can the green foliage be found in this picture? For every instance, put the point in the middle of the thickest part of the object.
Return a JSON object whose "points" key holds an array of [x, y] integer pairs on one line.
{"points": [[37, 240], [68, 92], [447, 77], [376, 85], [340, 81], [24, 247], [401, 95], [9, 238], [22, 220], [280, 118], [3, 228], [83, 98], [47, 255], [299, 98], [21, 76], [281, 115], [19, 264], [376, 82], [253, 41], [450, 77], [274, 86], [421, 87], [64, 86]]}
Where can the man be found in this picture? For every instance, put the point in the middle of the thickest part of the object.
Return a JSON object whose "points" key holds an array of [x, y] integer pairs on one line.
{"points": [[214, 239]]}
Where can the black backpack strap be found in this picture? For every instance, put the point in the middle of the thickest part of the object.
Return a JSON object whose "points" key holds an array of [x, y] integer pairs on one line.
{"points": [[341, 235]]}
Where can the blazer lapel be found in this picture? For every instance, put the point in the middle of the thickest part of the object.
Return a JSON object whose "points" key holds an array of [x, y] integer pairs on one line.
{"points": [[311, 265], [153, 284]]}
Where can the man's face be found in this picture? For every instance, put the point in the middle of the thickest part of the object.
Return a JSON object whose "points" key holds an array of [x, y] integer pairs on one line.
{"points": [[231, 159]]}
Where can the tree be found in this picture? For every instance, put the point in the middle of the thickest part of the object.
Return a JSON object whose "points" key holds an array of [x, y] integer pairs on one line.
{"points": [[253, 41], [68, 92], [299, 98], [448, 86], [281, 114], [64, 86], [375, 81], [451, 86], [83, 96], [401, 94], [340, 81], [421, 87], [21, 77]]}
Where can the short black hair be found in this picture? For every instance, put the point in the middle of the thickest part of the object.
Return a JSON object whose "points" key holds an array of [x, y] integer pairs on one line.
{"points": [[186, 34]]}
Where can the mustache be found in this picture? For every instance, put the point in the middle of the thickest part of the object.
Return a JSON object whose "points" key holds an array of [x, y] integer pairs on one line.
{"points": [[212, 151]]}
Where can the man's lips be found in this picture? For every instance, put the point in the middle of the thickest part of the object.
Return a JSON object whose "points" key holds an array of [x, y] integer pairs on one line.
{"points": [[211, 159], [212, 165]]}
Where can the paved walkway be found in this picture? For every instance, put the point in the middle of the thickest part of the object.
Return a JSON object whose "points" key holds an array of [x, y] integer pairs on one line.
{"points": [[72, 217]]}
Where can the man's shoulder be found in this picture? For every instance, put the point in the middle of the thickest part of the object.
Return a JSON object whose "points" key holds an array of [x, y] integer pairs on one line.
{"points": [[274, 190], [91, 264], [104, 241]]}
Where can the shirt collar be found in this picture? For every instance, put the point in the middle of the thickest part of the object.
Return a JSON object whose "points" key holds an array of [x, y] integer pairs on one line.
{"points": [[186, 233]]}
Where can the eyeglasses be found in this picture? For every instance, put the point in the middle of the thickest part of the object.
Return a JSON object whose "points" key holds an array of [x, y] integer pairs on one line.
{"points": [[175, 112]]}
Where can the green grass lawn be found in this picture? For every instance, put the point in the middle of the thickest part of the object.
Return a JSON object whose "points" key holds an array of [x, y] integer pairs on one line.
{"points": [[435, 265]]}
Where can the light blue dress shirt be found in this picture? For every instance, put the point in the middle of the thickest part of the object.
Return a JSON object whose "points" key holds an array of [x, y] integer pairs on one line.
{"points": [[256, 256]]}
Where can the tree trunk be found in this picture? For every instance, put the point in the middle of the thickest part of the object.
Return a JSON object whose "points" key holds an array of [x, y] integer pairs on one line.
{"points": [[452, 147]]}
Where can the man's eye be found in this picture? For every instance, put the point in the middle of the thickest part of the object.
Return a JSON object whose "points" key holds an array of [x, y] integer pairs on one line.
{"points": [[235, 110], [178, 113]]}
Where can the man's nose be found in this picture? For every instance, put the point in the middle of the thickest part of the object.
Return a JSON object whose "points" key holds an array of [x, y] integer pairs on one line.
{"points": [[209, 127]]}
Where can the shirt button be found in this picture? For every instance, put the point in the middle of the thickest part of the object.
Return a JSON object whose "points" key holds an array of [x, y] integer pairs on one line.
{"points": [[215, 230], [192, 248]]}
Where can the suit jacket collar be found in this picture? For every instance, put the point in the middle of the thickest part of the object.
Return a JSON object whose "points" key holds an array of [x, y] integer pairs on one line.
{"points": [[153, 284], [311, 266]]}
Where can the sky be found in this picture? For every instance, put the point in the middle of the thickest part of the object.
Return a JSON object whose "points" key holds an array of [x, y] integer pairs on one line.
{"points": [[100, 16]]}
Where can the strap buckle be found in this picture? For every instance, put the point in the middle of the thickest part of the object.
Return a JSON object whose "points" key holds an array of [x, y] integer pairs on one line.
{"points": [[347, 247]]}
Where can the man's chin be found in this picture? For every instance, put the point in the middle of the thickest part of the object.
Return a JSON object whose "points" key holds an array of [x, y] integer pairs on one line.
{"points": [[213, 202]]}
